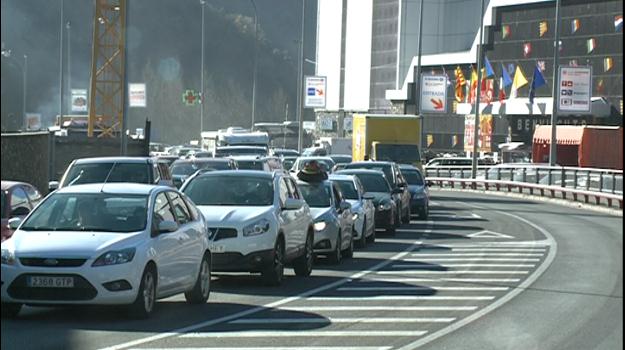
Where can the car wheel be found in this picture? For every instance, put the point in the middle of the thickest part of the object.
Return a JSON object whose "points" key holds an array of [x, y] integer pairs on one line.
{"points": [[349, 252], [202, 288], [371, 238], [336, 256], [398, 217], [275, 273], [407, 216], [304, 264], [143, 305], [390, 230], [362, 242], [423, 214], [10, 310]]}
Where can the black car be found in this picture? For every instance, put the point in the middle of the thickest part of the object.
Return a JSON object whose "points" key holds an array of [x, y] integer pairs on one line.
{"points": [[419, 194], [183, 168], [378, 189], [398, 185]]}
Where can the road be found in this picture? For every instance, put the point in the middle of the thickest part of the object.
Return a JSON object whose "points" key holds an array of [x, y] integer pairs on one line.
{"points": [[484, 272]]}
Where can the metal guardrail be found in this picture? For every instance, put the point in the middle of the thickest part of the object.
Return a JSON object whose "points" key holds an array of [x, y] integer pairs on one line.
{"points": [[586, 179], [600, 198]]}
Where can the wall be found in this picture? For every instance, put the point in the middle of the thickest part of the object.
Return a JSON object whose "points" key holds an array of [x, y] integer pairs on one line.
{"points": [[25, 157]]}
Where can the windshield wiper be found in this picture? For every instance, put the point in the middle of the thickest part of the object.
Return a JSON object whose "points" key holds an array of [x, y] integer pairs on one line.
{"points": [[76, 178]]}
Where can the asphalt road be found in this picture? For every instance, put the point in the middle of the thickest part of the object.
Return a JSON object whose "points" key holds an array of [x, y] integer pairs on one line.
{"points": [[484, 272]]}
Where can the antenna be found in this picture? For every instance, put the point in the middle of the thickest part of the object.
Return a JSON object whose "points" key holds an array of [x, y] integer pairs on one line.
{"points": [[107, 177]]}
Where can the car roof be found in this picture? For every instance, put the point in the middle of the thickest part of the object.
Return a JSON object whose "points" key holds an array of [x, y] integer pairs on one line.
{"points": [[201, 160], [324, 182], [113, 159], [340, 155], [246, 157], [8, 184], [112, 187], [316, 158], [341, 177], [241, 147], [371, 163], [359, 171], [408, 167], [254, 173]]}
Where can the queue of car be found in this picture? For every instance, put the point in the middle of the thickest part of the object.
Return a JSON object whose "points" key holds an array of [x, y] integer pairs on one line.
{"points": [[117, 230]]}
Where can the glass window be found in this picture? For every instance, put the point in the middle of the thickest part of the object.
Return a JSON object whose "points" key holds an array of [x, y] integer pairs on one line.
{"points": [[374, 183], [348, 189], [19, 199], [157, 173], [284, 192], [162, 211], [32, 193], [116, 172], [338, 196], [164, 171], [413, 177], [183, 168], [317, 195], [294, 193], [398, 153], [195, 214], [385, 168], [180, 208], [231, 190], [4, 204]]}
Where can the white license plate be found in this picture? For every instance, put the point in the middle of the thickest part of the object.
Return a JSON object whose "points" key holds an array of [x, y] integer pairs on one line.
{"points": [[217, 248], [50, 282]]}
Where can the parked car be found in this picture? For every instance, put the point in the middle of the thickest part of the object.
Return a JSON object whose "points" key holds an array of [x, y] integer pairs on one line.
{"points": [[379, 189], [326, 163], [116, 243], [399, 187], [18, 200], [144, 170], [229, 151], [332, 219], [341, 158], [258, 163], [419, 194], [284, 152], [361, 205], [259, 222], [183, 168]]}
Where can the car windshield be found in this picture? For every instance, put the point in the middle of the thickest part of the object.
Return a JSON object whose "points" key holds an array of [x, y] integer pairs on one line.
{"points": [[374, 183], [102, 212], [4, 204], [99, 172], [183, 169], [317, 195], [287, 163], [250, 165], [231, 190], [348, 189], [326, 164], [341, 159], [413, 177], [244, 151], [405, 154], [385, 168]]}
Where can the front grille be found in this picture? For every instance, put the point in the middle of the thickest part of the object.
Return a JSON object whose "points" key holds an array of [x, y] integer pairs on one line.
{"points": [[82, 290], [50, 262], [223, 233]]}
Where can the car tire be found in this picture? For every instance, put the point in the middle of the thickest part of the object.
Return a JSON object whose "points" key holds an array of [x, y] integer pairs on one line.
{"points": [[144, 304], [390, 229], [10, 310], [406, 218], [336, 256], [304, 264], [273, 275], [423, 213], [362, 242], [349, 252], [202, 288], [371, 238]]}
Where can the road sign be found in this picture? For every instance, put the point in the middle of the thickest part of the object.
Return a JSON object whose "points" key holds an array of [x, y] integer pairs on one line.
{"points": [[136, 95], [315, 92], [190, 97], [433, 94], [574, 89], [79, 100]]}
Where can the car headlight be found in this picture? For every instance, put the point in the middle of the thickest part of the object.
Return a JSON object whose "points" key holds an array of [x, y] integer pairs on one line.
{"points": [[8, 257], [319, 226], [115, 257], [384, 206], [259, 227], [355, 216]]}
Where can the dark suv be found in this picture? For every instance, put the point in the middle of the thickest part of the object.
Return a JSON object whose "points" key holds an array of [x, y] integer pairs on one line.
{"points": [[143, 170], [401, 195]]}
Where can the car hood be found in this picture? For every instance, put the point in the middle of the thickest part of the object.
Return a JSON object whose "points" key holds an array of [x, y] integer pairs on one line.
{"points": [[414, 189], [379, 197], [69, 243], [228, 215], [318, 213]]}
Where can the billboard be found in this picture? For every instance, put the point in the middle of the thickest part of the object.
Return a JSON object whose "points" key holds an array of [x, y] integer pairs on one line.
{"points": [[136, 95], [574, 89], [433, 94], [79, 100], [485, 133], [315, 92]]}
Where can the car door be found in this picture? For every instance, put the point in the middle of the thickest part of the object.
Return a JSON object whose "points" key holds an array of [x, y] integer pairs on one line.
{"points": [[190, 238], [405, 196], [368, 207], [287, 218], [344, 216], [300, 216], [167, 246]]}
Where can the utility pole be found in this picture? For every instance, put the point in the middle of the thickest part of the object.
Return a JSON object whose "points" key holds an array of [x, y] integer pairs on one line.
{"points": [[24, 77], [553, 154], [255, 64], [124, 22], [300, 81], [476, 125], [202, 3], [68, 26], [417, 88], [61, 65]]}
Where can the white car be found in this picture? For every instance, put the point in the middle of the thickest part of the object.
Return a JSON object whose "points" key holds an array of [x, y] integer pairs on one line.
{"points": [[116, 243], [362, 208], [258, 220]]}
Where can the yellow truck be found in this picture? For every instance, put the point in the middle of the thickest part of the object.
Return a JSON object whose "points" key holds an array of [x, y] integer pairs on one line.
{"points": [[387, 137]]}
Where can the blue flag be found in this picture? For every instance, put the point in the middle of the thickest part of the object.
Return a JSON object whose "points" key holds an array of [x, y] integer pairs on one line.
{"points": [[507, 81], [537, 81], [489, 68]]}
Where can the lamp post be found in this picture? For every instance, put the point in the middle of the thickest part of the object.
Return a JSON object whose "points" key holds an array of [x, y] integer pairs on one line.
{"points": [[255, 64], [68, 26], [202, 3], [300, 83], [61, 65]]}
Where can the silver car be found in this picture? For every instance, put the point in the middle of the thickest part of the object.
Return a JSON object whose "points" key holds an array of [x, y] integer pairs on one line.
{"points": [[363, 210]]}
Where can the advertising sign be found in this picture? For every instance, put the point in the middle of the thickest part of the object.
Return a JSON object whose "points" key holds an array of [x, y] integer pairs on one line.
{"points": [[136, 95], [33, 121], [574, 89], [79, 100], [433, 94], [485, 133], [315, 92], [347, 123]]}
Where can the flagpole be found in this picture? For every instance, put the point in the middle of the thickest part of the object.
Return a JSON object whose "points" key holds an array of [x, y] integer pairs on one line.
{"points": [[554, 110], [477, 95], [418, 80]]}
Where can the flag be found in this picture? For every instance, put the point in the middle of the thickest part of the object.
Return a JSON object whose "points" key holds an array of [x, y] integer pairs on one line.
{"points": [[505, 31], [502, 90], [542, 28], [489, 68], [575, 25], [454, 140], [460, 82], [511, 68], [607, 64], [473, 90], [618, 23], [537, 81], [507, 81], [527, 49], [518, 82], [600, 86], [542, 65], [591, 44], [430, 139]]}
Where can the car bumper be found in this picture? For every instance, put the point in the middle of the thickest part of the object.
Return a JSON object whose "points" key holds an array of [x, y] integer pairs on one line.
{"points": [[383, 218], [418, 204], [237, 262], [325, 240]]}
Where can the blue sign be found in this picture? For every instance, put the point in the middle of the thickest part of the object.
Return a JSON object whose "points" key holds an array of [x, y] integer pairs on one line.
{"points": [[311, 91]]}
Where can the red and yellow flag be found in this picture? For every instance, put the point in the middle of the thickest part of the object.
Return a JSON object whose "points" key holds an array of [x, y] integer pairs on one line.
{"points": [[460, 82]]}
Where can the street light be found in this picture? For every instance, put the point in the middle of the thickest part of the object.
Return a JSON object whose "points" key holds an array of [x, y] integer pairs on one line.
{"points": [[61, 66], [68, 26], [202, 3], [255, 63], [24, 69]]}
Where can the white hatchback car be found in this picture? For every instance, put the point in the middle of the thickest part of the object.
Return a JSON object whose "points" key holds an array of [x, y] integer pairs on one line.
{"points": [[259, 222], [115, 243], [362, 208]]}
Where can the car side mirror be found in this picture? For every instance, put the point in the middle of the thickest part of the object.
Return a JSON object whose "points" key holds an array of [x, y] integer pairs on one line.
{"points": [[293, 204], [14, 223], [53, 186], [398, 190], [345, 205], [20, 211], [166, 226], [368, 196], [402, 185]]}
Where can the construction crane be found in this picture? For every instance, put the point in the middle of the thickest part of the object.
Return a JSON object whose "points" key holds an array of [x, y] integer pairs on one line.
{"points": [[106, 93]]}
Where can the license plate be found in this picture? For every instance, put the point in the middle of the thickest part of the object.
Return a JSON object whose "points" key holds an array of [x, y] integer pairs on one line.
{"points": [[50, 282], [217, 248]]}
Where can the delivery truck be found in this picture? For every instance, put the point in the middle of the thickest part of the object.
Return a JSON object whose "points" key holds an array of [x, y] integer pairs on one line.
{"points": [[387, 137]]}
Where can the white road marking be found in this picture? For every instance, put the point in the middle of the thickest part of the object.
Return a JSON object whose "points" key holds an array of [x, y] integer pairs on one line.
{"points": [[489, 234], [476, 259], [510, 250], [404, 297], [344, 320], [378, 308], [301, 333], [384, 289], [278, 348], [413, 266], [454, 272], [435, 279], [476, 254]]}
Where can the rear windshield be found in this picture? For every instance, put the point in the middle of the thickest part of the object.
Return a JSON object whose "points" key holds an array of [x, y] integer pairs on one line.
{"points": [[374, 183], [317, 195], [413, 177], [348, 189], [386, 169], [250, 165], [98, 172]]}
